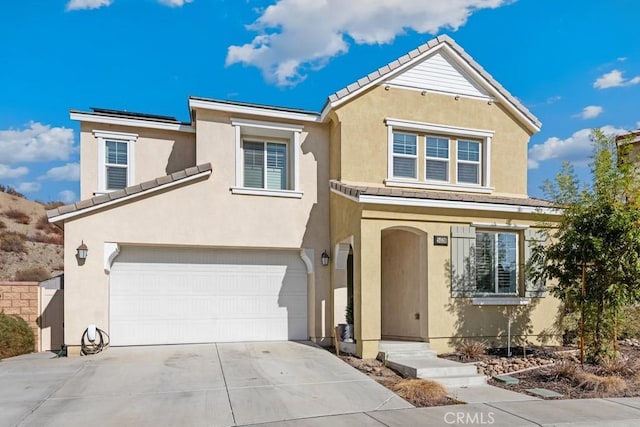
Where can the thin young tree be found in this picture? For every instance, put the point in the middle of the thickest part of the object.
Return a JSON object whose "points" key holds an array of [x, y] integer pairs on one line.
{"points": [[593, 253]]}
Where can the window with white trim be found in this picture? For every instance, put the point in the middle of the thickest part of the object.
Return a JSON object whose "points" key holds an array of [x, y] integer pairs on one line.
{"points": [[451, 157], [437, 159], [267, 158], [496, 262], [115, 160], [468, 165], [265, 165], [405, 155]]}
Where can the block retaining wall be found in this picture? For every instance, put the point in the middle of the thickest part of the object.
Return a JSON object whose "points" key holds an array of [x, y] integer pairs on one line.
{"points": [[21, 298]]}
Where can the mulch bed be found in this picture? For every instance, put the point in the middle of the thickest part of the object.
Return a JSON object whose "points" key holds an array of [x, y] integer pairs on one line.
{"points": [[545, 377], [542, 376]]}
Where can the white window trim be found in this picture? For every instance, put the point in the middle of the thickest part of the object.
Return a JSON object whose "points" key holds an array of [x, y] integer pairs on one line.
{"points": [[265, 144], [480, 163], [485, 136], [439, 159], [496, 294], [292, 132], [103, 136], [406, 156]]}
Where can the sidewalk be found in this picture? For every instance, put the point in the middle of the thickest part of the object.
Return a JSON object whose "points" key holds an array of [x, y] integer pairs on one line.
{"points": [[582, 412]]}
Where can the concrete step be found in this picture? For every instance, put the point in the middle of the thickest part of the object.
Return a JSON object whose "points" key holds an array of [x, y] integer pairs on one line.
{"points": [[430, 367], [417, 360], [414, 354], [458, 381], [397, 346]]}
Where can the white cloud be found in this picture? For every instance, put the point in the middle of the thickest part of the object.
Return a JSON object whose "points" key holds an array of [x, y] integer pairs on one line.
{"points": [[576, 149], [67, 196], [296, 35], [590, 112], [68, 172], [96, 4], [614, 79], [28, 187], [174, 3], [36, 143], [8, 172], [87, 4]]}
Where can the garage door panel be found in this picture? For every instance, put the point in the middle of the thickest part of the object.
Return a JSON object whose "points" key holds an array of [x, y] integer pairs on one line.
{"points": [[158, 297]]}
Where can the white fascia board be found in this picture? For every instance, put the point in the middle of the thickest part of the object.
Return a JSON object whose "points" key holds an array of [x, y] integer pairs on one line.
{"points": [[256, 111], [143, 193], [121, 121], [266, 125], [449, 204], [438, 128]]}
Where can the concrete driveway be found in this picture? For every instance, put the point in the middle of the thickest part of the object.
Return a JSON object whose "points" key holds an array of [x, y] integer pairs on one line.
{"points": [[186, 385]]}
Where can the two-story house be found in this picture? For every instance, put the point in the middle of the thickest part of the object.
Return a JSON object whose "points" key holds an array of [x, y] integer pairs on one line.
{"points": [[407, 193]]}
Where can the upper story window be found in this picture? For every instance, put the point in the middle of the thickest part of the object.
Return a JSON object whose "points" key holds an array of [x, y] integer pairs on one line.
{"points": [[267, 158], [468, 166], [266, 165], [452, 158], [437, 159], [115, 160], [116, 164], [405, 155]]}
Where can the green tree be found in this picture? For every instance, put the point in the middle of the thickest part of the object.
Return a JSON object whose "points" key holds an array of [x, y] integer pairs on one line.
{"points": [[598, 235]]}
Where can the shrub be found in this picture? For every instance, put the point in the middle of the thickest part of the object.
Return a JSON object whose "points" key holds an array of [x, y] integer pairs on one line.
{"points": [[17, 215], [32, 274], [420, 392], [12, 242], [564, 369], [619, 365], [16, 337], [598, 384], [470, 349], [630, 322], [54, 239], [10, 190]]}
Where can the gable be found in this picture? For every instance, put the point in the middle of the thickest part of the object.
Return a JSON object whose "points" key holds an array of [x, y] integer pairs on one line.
{"points": [[430, 66], [440, 74]]}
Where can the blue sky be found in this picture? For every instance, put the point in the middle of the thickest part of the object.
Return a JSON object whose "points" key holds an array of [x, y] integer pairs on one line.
{"points": [[574, 63]]}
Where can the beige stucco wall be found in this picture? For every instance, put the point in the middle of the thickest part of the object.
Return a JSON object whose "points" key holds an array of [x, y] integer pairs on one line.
{"points": [[205, 213], [156, 153], [446, 320], [363, 134]]}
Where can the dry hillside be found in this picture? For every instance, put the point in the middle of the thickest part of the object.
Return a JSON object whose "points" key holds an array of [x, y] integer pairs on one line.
{"points": [[30, 247]]}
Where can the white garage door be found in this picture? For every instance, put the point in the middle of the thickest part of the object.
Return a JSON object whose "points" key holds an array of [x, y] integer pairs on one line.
{"points": [[183, 295]]}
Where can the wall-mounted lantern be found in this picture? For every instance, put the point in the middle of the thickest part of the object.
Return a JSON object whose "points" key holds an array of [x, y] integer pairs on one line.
{"points": [[324, 258], [82, 251]]}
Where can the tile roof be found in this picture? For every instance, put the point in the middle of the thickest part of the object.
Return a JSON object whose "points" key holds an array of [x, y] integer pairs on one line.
{"points": [[129, 191], [393, 65], [357, 191]]}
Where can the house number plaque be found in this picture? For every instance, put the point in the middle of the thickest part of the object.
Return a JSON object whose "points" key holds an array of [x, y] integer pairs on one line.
{"points": [[441, 240]]}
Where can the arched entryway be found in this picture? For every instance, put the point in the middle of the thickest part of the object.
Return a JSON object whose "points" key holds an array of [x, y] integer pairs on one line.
{"points": [[403, 284]]}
